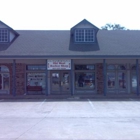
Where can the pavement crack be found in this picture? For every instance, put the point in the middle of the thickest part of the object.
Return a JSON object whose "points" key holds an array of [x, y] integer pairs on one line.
{"points": [[30, 128]]}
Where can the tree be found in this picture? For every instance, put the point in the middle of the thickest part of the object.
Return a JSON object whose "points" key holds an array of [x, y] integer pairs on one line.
{"points": [[109, 26]]}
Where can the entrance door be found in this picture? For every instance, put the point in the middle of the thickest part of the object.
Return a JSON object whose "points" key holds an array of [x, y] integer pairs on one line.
{"points": [[4, 83], [116, 81], [60, 82], [134, 79]]}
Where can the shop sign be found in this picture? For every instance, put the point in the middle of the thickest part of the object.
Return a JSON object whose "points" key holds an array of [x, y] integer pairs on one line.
{"points": [[59, 64]]}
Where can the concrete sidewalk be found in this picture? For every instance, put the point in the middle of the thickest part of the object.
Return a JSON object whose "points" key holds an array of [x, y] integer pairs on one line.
{"points": [[69, 119], [76, 96]]}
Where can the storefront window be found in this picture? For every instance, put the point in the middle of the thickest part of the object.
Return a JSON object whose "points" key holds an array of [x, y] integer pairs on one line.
{"points": [[134, 78], [4, 80], [121, 67], [111, 78], [122, 80], [35, 67], [84, 67], [36, 82], [117, 78], [85, 80], [134, 67], [111, 67], [4, 69]]}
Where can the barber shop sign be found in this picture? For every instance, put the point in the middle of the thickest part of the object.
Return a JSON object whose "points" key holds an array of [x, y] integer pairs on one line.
{"points": [[61, 64]]}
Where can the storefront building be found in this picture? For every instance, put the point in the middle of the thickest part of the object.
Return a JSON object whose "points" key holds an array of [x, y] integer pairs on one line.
{"points": [[82, 61]]}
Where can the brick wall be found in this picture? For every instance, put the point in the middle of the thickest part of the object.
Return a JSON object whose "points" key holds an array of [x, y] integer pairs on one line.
{"points": [[99, 76], [20, 79]]}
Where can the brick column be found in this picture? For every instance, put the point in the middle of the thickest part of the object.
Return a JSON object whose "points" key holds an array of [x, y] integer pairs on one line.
{"points": [[99, 78], [20, 79]]}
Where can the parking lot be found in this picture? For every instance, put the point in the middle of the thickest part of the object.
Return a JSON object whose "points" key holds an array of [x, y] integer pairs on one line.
{"points": [[69, 119]]}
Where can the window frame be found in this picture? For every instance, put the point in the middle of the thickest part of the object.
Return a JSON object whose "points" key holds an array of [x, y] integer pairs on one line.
{"points": [[82, 37], [38, 79], [83, 71], [35, 68], [5, 37]]}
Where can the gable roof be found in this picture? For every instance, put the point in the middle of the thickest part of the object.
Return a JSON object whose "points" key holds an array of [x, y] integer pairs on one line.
{"points": [[46, 44], [9, 28], [84, 22]]}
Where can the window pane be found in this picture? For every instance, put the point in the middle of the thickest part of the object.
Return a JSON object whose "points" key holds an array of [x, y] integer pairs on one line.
{"points": [[111, 67], [36, 67], [79, 35], [36, 82], [134, 68], [122, 80], [85, 80], [3, 35], [111, 80], [84, 67], [6, 79], [134, 81], [121, 67], [89, 35], [4, 69]]}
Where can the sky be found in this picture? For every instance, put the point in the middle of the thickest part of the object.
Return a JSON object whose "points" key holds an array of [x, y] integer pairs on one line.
{"points": [[64, 14]]}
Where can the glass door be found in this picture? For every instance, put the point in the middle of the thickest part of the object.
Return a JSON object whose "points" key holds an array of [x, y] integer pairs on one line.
{"points": [[122, 81], [117, 78], [111, 82], [60, 82], [55, 82], [116, 82], [134, 82], [65, 82], [4, 83], [134, 79], [122, 84]]}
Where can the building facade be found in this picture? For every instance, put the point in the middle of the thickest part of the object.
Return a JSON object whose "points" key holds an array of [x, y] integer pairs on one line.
{"points": [[81, 61]]}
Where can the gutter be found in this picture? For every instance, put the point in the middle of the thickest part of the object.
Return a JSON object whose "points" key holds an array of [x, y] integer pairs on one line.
{"points": [[68, 56]]}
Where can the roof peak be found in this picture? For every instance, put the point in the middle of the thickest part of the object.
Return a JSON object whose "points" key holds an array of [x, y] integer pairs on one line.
{"points": [[84, 22]]}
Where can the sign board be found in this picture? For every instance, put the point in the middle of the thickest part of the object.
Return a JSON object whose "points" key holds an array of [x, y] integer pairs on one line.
{"points": [[60, 64]]}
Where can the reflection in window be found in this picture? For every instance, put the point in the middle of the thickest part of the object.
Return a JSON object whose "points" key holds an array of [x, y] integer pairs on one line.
{"points": [[4, 69], [35, 67], [85, 80], [111, 67], [121, 67], [65, 78], [122, 80], [84, 67], [36, 82], [111, 80], [6, 81], [55, 78], [134, 81], [134, 67]]}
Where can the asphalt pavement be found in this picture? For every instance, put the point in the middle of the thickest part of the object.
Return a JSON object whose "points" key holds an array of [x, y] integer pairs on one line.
{"points": [[69, 119]]}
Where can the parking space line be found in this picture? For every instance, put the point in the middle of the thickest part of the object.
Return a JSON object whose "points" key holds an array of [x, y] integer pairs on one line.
{"points": [[91, 104], [42, 103]]}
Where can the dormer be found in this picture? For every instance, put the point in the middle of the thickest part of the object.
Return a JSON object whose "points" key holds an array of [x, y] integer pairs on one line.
{"points": [[84, 32], [7, 34], [83, 37]]}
